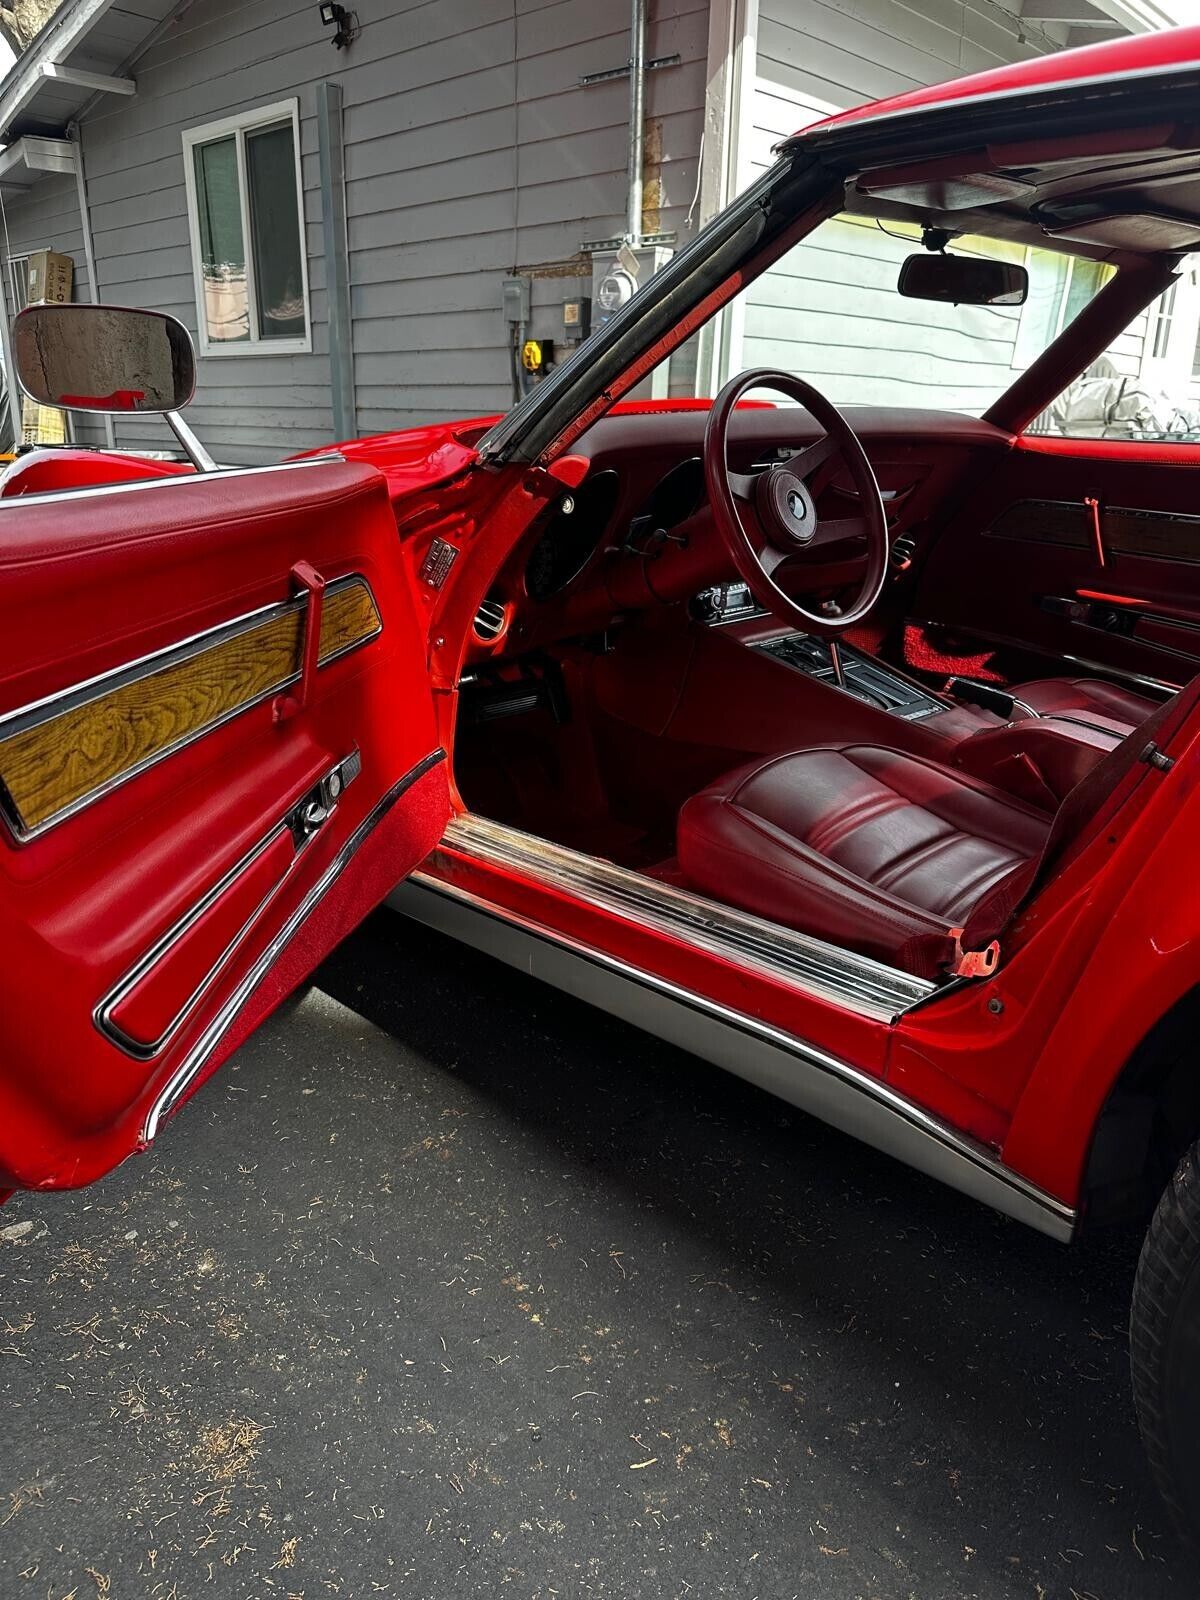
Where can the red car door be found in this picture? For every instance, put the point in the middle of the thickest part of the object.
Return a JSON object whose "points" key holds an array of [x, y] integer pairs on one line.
{"points": [[217, 753], [1080, 550]]}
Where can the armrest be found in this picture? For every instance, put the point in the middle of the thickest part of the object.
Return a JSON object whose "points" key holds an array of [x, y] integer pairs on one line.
{"points": [[1039, 761]]}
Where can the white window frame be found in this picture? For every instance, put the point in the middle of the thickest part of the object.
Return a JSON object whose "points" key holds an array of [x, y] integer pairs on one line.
{"points": [[239, 126]]}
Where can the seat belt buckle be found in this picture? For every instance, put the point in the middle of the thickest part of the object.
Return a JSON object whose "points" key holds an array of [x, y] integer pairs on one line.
{"points": [[973, 963]]}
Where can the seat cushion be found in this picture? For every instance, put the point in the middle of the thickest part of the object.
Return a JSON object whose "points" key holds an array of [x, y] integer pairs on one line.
{"points": [[1059, 696], [866, 847], [1117, 710]]}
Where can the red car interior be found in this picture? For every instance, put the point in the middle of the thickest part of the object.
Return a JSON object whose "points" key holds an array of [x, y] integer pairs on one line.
{"points": [[634, 703]]}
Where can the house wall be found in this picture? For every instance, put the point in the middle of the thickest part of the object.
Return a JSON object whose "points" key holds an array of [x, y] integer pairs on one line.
{"points": [[47, 218], [471, 149], [829, 309]]}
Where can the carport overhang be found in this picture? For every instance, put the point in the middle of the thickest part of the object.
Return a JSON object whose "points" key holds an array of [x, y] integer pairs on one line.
{"points": [[86, 51]]}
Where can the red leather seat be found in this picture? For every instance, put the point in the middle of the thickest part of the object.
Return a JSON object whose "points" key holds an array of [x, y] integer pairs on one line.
{"points": [[1064, 696], [1117, 710], [865, 847]]}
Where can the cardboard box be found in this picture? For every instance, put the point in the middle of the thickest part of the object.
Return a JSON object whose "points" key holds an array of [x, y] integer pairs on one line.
{"points": [[42, 424], [50, 276]]}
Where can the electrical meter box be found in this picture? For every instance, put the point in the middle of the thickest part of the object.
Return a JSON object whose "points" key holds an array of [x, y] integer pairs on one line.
{"points": [[617, 275]]}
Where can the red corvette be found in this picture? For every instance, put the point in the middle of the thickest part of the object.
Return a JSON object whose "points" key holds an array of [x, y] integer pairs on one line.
{"points": [[851, 740]]}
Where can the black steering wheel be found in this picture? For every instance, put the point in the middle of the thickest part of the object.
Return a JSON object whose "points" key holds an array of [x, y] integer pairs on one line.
{"points": [[770, 517]]}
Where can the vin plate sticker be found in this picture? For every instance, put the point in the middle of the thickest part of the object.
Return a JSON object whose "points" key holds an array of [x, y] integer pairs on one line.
{"points": [[435, 568]]}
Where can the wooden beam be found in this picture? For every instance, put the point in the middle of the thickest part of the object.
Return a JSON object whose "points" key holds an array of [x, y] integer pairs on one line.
{"points": [[99, 82]]}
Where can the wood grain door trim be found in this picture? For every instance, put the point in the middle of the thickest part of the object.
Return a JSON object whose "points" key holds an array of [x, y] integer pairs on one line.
{"points": [[65, 752], [1127, 530]]}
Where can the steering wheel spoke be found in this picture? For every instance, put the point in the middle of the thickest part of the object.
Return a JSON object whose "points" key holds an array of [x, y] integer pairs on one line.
{"points": [[813, 456], [771, 558], [742, 486], [835, 530]]}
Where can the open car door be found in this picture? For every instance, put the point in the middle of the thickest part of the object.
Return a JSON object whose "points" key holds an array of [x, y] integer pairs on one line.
{"points": [[217, 754]]}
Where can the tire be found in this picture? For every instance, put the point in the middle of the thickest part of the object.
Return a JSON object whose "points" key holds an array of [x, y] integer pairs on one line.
{"points": [[1164, 1346]]}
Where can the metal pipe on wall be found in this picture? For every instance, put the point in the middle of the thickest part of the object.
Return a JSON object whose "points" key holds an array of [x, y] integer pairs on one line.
{"points": [[637, 118], [89, 253], [332, 163]]}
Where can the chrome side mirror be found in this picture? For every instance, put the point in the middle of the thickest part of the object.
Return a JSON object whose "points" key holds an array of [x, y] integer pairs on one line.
{"points": [[109, 359], [104, 358]]}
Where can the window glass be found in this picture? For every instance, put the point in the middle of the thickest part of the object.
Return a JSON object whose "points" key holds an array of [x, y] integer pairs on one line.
{"points": [[247, 232], [1146, 386], [275, 232], [830, 311], [222, 248]]}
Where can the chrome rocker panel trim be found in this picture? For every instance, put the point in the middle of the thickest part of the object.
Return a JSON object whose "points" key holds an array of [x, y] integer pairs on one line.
{"points": [[171, 1092], [860, 984], [806, 1077]]}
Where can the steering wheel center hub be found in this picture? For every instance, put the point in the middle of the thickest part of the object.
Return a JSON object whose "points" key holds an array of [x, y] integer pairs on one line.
{"points": [[786, 508]]}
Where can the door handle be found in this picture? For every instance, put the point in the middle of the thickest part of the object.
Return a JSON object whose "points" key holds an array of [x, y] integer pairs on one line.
{"points": [[1092, 502], [307, 580]]}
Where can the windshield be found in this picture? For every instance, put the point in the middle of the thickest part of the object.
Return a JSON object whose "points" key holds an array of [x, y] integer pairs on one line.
{"points": [[830, 312]]}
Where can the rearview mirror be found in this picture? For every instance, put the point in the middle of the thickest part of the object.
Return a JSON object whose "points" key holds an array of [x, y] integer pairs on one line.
{"points": [[103, 358], [963, 280]]}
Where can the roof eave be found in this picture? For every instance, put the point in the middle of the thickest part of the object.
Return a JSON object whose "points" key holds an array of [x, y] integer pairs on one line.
{"points": [[69, 25]]}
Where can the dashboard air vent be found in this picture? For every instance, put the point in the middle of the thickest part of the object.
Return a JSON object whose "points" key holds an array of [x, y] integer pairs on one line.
{"points": [[903, 550], [490, 619]]}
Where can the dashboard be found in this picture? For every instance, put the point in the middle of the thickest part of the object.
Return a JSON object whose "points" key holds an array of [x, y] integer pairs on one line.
{"points": [[637, 532]]}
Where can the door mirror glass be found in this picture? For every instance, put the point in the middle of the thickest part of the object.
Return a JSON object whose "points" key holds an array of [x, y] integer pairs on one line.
{"points": [[963, 280], [103, 358]]}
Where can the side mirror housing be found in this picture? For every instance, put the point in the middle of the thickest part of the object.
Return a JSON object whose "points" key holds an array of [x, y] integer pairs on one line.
{"points": [[104, 358], [963, 280]]}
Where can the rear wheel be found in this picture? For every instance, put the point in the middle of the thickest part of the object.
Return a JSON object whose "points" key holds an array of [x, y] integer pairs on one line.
{"points": [[1164, 1342]]}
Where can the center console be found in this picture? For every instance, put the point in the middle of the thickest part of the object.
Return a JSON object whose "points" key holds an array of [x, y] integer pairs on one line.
{"points": [[861, 676]]}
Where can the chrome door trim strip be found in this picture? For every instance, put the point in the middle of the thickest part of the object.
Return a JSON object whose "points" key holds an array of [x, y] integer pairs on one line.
{"points": [[62, 701], [168, 1096], [346, 770], [805, 1076], [175, 479], [856, 982]]}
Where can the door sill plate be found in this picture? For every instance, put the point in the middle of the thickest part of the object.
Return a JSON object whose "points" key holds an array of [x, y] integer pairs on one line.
{"points": [[855, 982]]}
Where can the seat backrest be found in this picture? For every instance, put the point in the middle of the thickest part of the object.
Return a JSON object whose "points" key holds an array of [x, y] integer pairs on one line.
{"points": [[1097, 798], [1083, 814]]}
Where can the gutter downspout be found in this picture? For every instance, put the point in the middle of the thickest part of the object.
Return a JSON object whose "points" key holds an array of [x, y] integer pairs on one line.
{"points": [[74, 134], [12, 389], [637, 119], [332, 157]]}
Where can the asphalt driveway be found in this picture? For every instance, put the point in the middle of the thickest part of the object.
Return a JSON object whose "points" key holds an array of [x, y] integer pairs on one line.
{"points": [[449, 1286]]}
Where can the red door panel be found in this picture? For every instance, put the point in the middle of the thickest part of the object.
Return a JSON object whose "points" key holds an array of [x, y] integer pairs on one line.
{"points": [[1078, 549], [208, 775]]}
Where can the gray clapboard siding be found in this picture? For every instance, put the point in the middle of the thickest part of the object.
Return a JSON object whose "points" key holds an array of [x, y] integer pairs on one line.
{"points": [[471, 150], [48, 219], [829, 309], [440, 202]]}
